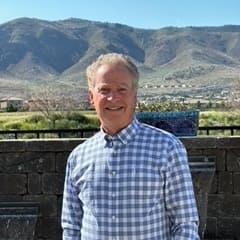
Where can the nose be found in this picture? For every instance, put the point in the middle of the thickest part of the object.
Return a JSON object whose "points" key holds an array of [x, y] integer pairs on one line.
{"points": [[112, 95]]}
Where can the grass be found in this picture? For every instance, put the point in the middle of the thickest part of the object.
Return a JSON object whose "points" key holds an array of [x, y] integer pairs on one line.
{"points": [[15, 115], [36, 120], [57, 120], [219, 118]]}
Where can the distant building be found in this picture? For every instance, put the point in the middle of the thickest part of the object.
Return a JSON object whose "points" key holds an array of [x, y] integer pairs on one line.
{"points": [[11, 104]]}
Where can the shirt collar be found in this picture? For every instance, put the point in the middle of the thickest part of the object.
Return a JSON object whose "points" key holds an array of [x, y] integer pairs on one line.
{"points": [[126, 134]]}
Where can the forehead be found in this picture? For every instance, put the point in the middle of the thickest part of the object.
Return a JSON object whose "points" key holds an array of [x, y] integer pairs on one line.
{"points": [[113, 72]]}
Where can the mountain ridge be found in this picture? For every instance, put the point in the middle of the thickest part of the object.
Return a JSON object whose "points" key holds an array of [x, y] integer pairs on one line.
{"points": [[37, 52]]}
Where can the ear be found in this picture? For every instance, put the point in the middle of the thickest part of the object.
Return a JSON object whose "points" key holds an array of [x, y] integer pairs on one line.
{"points": [[90, 97]]}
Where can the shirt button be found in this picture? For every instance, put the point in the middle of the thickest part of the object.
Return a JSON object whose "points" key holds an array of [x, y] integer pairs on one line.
{"points": [[113, 195], [110, 144], [113, 173], [113, 217]]}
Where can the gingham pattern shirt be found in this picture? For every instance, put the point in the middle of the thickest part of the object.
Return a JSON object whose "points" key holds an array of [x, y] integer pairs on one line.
{"points": [[133, 186]]}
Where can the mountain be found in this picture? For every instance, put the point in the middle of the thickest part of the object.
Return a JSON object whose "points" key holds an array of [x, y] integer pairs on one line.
{"points": [[37, 53]]}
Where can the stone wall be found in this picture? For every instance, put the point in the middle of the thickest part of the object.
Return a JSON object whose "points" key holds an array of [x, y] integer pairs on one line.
{"points": [[224, 196], [33, 170]]}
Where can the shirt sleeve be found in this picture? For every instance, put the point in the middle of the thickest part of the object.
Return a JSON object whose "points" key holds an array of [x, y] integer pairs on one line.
{"points": [[180, 199], [71, 209]]}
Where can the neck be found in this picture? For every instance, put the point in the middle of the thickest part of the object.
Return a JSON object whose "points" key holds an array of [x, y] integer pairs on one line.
{"points": [[111, 132]]}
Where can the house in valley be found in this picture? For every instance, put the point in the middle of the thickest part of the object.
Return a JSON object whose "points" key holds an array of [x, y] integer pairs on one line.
{"points": [[11, 104]]}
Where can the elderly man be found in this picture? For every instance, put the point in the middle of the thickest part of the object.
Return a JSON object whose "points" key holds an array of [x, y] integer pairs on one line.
{"points": [[130, 181]]}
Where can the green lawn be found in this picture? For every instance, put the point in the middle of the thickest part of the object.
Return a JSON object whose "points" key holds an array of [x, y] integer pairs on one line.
{"points": [[36, 120]]}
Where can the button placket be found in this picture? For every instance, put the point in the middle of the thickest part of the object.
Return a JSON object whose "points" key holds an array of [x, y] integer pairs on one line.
{"points": [[113, 184], [113, 167]]}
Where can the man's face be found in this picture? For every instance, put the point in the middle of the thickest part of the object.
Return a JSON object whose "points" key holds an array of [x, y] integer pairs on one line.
{"points": [[113, 96]]}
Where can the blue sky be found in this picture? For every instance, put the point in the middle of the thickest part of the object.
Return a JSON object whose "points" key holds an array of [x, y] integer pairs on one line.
{"points": [[146, 14]]}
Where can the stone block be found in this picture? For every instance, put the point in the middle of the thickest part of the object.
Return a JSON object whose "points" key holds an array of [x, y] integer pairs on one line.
{"points": [[10, 198], [52, 183], [71, 144], [213, 205], [48, 204], [46, 145], [49, 228], [221, 160], [225, 184], [236, 184], [233, 160], [228, 228], [199, 142], [228, 206], [60, 199], [11, 162], [61, 160], [34, 183], [39, 162], [13, 184], [194, 152], [211, 229], [12, 146], [228, 142]]}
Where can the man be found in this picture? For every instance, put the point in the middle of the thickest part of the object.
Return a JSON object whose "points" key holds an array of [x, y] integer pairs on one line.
{"points": [[130, 181]]}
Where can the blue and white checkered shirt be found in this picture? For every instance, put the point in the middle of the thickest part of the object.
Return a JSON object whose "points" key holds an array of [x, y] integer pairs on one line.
{"points": [[133, 186]]}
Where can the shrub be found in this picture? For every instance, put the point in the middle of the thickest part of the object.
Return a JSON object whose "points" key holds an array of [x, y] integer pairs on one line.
{"points": [[76, 116], [35, 118], [12, 125]]}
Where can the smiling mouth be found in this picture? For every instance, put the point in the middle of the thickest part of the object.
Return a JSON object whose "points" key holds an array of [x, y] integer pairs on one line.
{"points": [[114, 108]]}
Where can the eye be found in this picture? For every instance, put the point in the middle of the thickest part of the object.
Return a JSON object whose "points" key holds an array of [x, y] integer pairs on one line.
{"points": [[103, 90], [122, 90]]}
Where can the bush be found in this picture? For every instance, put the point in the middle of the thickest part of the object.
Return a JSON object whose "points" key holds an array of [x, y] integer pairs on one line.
{"points": [[161, 106], [35, 118], [16, 125], [76, 116], [65, 124], [214, 118]]}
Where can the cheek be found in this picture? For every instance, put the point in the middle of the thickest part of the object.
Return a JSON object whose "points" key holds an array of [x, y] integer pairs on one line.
{"points": [[97, 101]]}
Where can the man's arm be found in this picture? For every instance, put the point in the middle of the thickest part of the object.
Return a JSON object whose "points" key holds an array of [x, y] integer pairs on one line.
{"points": [[71, 209], [180, 199]]}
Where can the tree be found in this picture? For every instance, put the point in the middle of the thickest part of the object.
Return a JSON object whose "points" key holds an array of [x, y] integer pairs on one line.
{"points": [[52, 105]]}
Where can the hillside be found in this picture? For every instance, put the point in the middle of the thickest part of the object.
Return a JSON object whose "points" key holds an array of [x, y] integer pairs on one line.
{"points": [[36, 53]]}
